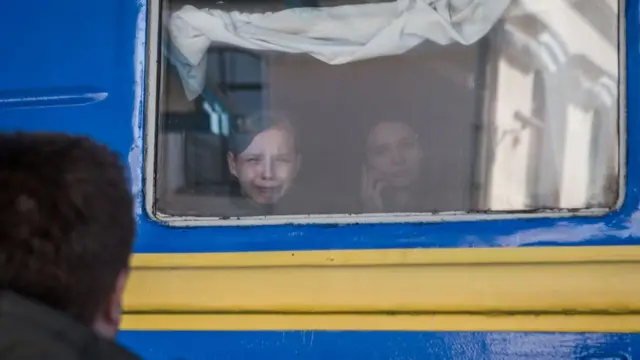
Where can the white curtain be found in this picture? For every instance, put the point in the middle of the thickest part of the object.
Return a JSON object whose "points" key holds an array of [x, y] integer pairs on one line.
{"points": [[335, 35]]}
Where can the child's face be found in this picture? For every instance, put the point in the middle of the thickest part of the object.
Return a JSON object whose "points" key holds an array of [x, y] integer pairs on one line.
{"points": [[267, 167]]}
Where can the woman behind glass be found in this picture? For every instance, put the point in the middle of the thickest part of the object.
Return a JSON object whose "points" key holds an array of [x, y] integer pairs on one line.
{"points": [[393, 170]]}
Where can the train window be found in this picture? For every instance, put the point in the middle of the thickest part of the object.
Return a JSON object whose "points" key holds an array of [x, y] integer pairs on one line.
{"points": [[351, 110]]}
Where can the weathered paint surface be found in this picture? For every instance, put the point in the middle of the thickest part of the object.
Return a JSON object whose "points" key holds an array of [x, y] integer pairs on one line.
{"points": [[78, 66], [382, 345]]}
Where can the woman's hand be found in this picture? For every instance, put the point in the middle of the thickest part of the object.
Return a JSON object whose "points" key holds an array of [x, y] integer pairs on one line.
{"points": [[370, 191]]}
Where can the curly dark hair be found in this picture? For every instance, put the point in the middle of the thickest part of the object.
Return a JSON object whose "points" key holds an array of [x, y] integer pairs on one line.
{"points": [[68, 222]]}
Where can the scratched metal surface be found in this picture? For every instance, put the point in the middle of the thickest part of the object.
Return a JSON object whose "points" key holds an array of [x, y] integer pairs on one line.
{"points": [[381, 345]]}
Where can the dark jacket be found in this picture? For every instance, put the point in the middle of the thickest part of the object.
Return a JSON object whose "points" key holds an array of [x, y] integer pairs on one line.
{"points": [[30, 331]]}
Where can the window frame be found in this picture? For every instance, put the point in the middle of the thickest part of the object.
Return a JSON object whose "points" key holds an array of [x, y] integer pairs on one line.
{"points": [[153, 81]]}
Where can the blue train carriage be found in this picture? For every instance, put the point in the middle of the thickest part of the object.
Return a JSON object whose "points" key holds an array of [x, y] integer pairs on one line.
{"points": [[411, 179]]}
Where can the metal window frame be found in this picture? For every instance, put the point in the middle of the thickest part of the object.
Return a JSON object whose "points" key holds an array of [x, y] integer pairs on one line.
{"points": [[153, 74]]}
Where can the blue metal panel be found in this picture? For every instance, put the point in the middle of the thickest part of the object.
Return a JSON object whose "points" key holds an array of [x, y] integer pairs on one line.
{"points": [[76, 52], [60, 51], [381, 345]]}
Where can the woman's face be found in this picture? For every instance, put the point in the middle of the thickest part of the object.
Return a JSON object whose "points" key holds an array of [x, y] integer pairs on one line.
{"points": [[267, 167], [393, 154]]}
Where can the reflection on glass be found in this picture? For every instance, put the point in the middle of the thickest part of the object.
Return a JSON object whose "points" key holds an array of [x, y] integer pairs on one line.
{"points": [[482, 105]]}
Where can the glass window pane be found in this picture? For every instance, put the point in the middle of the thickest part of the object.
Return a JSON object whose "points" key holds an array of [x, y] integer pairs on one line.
{"points": [[320, 111], [249, 101], [243, 67]]}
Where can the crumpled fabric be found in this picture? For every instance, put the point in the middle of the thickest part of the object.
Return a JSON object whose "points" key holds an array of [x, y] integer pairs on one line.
{"points": [[335, 35]]}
